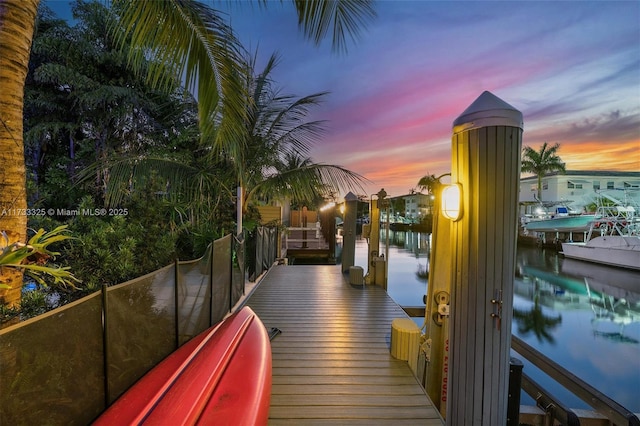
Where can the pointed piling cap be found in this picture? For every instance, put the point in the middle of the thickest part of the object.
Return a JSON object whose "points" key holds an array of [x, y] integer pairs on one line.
{"points": [[351, 197], [488, 110]]}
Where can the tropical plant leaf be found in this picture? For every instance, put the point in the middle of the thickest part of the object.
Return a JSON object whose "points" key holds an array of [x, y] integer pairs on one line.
{"points": [[188, 41], [317, 18], [16, 255]]}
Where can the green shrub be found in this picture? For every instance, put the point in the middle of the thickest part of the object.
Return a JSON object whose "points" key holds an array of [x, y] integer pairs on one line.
{"points": [[111, 249]]}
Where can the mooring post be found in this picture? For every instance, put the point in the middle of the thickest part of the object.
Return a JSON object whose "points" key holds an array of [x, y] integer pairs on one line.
{"points": [[515, 386], [438, 290], [486, 145], [349, 231]]}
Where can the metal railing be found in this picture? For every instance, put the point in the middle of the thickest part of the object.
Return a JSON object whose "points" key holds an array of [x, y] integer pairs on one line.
{"points": [[594, 398], [552, 407], [548, 403]]}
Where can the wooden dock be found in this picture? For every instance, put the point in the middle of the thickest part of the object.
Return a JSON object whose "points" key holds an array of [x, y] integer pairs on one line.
{"points": [[331, 363]]}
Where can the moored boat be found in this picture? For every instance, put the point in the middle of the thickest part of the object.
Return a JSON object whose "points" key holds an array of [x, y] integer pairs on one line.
{"points": [[614, 250], [222, 376], [562, 224]]}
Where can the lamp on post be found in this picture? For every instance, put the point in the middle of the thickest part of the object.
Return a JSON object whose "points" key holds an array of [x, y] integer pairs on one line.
{"points": [[485, 157], [452, 202]]}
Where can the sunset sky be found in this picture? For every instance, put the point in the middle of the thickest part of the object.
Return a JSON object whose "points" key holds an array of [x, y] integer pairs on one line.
{"points": [[571, 67]]}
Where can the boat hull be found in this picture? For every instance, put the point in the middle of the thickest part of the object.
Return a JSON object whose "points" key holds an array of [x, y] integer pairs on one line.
{"points": [[222, 376], [561, 224], [613, 250]]}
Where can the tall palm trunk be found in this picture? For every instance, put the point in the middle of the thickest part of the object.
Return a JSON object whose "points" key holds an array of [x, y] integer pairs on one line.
{"points": [[17, 22]]}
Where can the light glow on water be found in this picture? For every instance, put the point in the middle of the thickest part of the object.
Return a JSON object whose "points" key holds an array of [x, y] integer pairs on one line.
{"points": [[407, 267], [585, 317]]}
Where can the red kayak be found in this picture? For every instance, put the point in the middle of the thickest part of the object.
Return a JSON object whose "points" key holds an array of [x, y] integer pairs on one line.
{"points": [[220, 377]]}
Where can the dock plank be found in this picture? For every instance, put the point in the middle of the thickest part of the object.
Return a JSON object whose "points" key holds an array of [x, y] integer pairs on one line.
{"points": [[331, 363]]}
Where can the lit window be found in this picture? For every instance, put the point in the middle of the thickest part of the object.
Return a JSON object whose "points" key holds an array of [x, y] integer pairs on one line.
{"points": [[572, 185]]}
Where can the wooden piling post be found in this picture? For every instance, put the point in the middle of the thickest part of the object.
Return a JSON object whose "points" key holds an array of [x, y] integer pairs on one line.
{"points": [[437, 325], [486, 146], [349, 231]]}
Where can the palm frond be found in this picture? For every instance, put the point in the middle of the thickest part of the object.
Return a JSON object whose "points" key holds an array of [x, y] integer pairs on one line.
{"points": [[289, 126], [189, 41], [126, 175], [317, 18], [307, 180]]}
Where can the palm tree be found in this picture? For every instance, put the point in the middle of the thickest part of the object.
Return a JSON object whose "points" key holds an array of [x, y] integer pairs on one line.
{"points": [[173, 40], [214, 69], [271, 164], [299, 178], [186, 38], [542, 162], [17, 22], [535, 320], [191, 39], [432, 185], [277, 137]]}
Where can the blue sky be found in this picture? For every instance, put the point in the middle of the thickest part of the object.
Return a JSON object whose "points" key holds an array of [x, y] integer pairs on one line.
{"points": [[571, 67]]}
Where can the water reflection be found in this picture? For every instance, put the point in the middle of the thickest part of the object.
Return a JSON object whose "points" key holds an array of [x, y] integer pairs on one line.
{"points": [[534, 320], [597, 335], [615, 306], [417, 243], [408, 266], [610, 294], [585, 317]]}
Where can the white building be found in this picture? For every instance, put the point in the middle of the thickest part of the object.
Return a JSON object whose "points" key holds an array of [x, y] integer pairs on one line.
{"points": [[410, 208], [574, 188], [416, 206]]}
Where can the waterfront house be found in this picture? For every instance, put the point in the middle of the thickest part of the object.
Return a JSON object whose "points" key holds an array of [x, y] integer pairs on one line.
{"points": [[411, 208], [574, 188]]}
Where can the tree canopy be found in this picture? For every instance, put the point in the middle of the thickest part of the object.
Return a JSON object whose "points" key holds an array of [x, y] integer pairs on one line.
{"points": [[150, 102]]}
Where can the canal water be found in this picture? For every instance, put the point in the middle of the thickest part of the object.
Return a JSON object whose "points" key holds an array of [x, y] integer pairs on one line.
{"points": [[585, 317]]}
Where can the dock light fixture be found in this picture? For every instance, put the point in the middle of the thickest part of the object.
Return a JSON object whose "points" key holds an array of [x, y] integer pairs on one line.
{"points": [[452, 201], [328, 206]]}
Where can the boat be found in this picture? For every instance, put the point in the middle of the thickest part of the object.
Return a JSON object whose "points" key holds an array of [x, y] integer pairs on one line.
{"points": [[617, 236], [576, 223], [221, 376], [561, 219], [614, 250]]}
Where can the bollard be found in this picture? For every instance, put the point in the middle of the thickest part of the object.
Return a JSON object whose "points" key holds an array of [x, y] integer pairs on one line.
{"points": [[356, 275], [515, 386]]}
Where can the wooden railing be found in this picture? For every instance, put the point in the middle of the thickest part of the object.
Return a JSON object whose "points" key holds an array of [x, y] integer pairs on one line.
{"points": [[312, 239]]}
